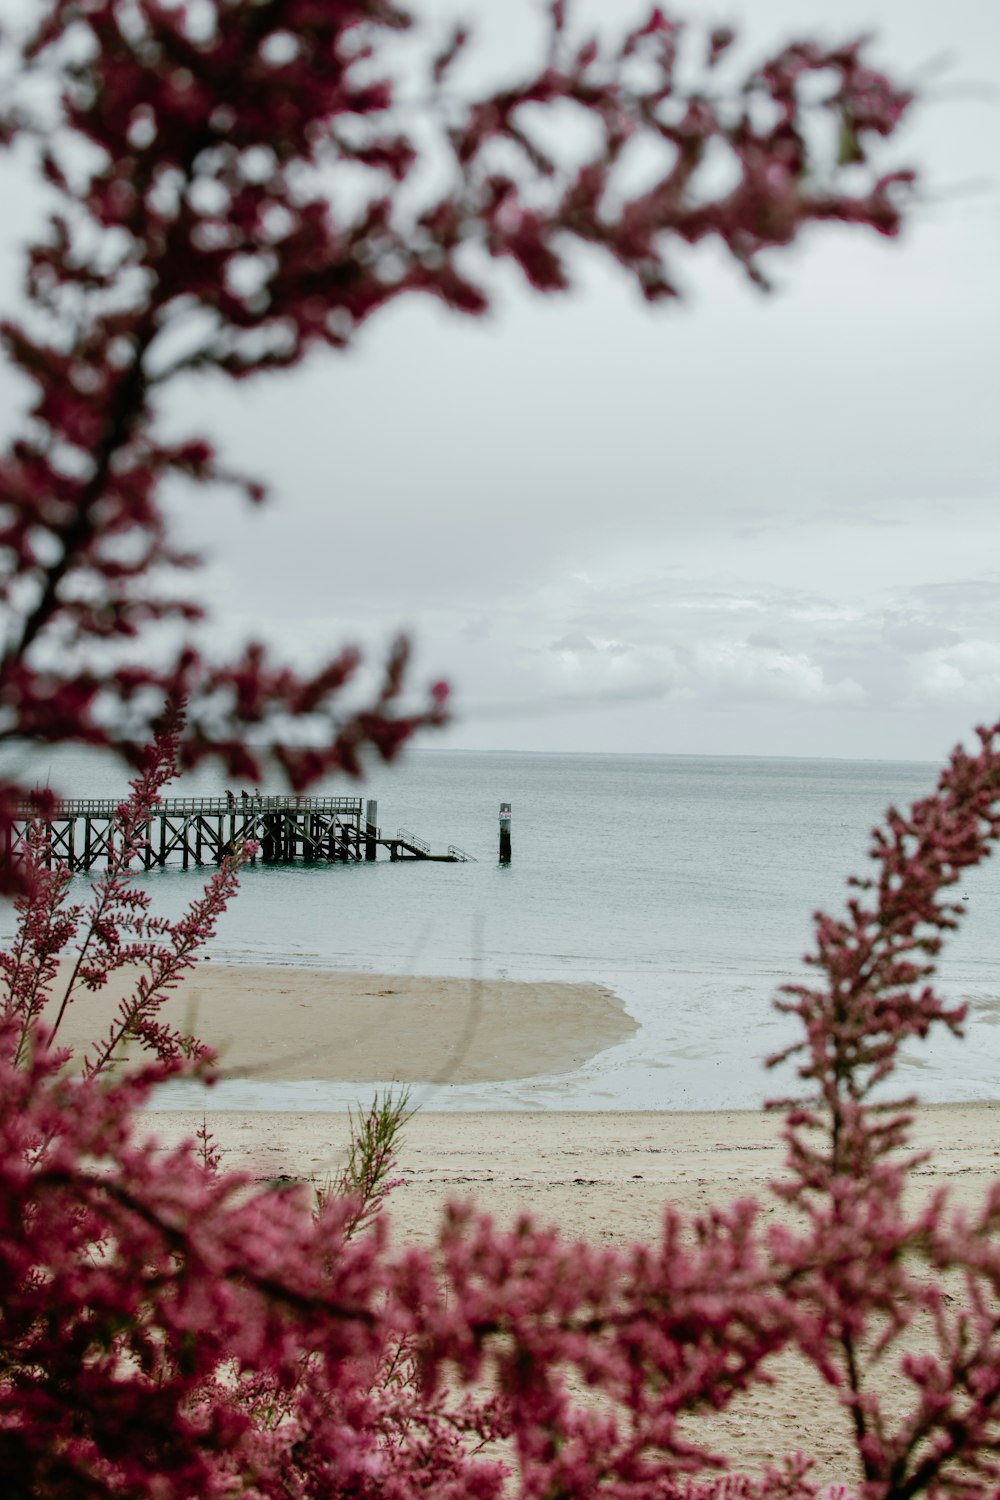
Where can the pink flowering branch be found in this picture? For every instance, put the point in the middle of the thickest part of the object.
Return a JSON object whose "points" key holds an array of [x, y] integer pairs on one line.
{"points": [[859, 1266], [113, 933], [660, 1331], [186, 1283], [45, 926]]}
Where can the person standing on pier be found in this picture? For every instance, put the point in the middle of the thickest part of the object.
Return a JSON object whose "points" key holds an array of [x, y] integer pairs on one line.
{"points": [[230, 800]]}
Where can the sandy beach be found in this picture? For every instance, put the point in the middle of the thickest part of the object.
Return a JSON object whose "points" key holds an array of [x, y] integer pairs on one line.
{"points": [[605, 1178], [601, 1177], [283, 1024]]}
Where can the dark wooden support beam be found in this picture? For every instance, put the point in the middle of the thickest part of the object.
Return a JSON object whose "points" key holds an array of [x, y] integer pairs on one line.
{"points": [[505, 833]]}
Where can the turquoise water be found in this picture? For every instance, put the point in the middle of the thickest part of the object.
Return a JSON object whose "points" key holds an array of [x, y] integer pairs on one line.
{"points": [[686, 884]]}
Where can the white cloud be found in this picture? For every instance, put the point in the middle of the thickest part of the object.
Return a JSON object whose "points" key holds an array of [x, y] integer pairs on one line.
{"points": [[766, 672], [967, 673]]}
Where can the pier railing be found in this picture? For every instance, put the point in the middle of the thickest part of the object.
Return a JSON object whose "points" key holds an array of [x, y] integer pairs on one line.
{"points": [[407, 837], [106, 807]]}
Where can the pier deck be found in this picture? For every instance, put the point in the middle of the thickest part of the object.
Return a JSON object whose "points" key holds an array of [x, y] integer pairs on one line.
{"points": [[82, 832]]}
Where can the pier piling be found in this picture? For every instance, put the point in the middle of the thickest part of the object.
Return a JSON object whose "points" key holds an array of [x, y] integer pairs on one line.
{"points": [[505, 833]]}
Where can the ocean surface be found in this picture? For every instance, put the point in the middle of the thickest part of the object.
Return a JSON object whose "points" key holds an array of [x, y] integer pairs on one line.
{"points": [[684, 884]]}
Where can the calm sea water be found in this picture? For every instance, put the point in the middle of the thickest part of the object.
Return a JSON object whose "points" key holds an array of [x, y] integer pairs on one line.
{"points": [[685, 884]]}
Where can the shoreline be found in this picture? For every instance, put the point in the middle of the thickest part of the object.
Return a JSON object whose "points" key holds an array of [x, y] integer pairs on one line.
{"points": [[298, 1040]]}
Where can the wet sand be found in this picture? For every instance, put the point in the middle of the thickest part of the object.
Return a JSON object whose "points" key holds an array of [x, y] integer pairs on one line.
{"points": [[287, 1024]]}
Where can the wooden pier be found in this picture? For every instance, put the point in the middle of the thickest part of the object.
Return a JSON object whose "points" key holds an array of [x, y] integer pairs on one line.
{"points": [[81, 832]]}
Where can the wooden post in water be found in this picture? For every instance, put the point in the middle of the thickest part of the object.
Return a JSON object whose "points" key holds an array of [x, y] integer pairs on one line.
{"points": [[505, 833], [371, 829]]}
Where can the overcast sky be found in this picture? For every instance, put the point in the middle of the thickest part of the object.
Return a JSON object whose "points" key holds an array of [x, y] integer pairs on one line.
{"points": [[750, 526]]}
